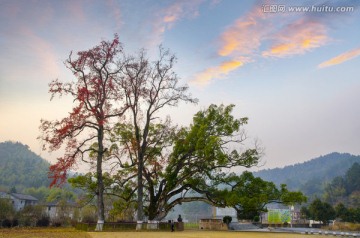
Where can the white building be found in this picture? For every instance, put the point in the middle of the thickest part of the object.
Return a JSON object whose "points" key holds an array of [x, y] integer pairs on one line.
{"points": [[61, 210], [18, 200], [219, 213]]}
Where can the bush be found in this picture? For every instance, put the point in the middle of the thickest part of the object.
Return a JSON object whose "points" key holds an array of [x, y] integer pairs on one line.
{"points": [[227, 219], [6, 223], [88, 214], [15, 222], [30, 215], [57, 223], [256, 218], [43, 221]]}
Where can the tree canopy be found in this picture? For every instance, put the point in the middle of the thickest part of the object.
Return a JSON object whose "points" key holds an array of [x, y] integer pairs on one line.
{"points": [[183, 164], [249, 195]]}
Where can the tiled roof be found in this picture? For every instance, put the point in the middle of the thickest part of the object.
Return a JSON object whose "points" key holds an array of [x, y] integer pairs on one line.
{"points": [[58, 203], [23, 196]]}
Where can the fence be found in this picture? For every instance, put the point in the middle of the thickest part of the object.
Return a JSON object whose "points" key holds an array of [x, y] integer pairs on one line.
{"points": [[131, 226]]}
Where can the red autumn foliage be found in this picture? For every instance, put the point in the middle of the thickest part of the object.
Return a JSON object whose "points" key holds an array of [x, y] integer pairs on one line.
{"points": [[97, 100]]}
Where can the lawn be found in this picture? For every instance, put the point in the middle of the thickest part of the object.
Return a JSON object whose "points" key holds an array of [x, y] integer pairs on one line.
{"points": [[197, 234], [72, 233], [43, 233]]}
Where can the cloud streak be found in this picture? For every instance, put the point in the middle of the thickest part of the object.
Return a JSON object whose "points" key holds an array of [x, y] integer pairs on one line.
{"points": [[167, 17], [216, 72], [116, 13], [341, 58], [235, 44], [245, 35], [297, 38], [262, 35]]}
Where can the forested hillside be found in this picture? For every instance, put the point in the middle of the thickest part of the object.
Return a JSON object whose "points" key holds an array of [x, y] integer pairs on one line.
{"points": [[311, 177], [21, 168], [345, 189]]}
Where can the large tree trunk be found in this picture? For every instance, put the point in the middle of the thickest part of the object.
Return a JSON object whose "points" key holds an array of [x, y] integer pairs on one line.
{"points": [[140, 211], [100, 183]]}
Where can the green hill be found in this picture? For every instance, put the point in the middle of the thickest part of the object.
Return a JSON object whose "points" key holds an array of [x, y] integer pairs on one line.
{"points": [[21, 168], [311, 177]]}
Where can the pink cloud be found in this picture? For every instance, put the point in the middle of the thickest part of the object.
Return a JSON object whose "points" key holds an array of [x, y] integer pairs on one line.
{"points": [[341, 58], [241, 40], [245, 35], [116, 12], [297, 38], [216, 72], [76, 10], [34, 55], [262, 35], [167, 17]]}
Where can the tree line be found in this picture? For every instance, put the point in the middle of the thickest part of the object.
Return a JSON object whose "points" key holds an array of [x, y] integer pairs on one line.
{"points": [[340, 199], [322, 211]]}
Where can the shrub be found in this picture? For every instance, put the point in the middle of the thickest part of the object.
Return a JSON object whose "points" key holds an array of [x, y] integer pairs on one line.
{"points": [[15, 222], [6, 223], [227, 219], [43, 221]]}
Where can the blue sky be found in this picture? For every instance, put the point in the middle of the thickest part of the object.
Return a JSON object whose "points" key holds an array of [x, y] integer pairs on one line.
{"points": [[294, 73]]}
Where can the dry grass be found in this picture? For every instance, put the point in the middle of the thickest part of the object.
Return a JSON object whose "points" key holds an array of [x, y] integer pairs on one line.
{"points": [[344, 226], [72, 233], [197, 234], [42, 233]]}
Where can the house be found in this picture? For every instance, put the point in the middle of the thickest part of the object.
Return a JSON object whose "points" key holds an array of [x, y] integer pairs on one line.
{"points": [[279, 214], [220, 213], [19, 200], [60, 210]]}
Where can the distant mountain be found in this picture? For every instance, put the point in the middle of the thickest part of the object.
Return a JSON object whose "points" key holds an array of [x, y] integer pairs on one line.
{"points": [[21, 168], [311, 176]]}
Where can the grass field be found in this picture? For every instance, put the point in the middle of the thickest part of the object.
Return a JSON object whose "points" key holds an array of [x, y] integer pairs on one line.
{"points": [[197, 234], [72, 233], [42, 233]]}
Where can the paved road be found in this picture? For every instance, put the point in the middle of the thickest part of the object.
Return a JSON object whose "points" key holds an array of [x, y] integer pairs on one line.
{"points": [[319, 231], [250, 227]]}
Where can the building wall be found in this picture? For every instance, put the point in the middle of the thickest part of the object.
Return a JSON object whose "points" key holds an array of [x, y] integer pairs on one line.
{"points": [[18, 203], [56, 212], [219, 213]]}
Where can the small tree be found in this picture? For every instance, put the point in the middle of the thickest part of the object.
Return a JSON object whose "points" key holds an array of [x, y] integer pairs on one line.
{"points": [[342, 212], [249, 195], [321, 211], [6, 209], [13, 189], [304, 213]]}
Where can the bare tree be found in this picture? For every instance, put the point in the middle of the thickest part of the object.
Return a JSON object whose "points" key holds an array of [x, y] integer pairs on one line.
{"points": [[149, 87]]}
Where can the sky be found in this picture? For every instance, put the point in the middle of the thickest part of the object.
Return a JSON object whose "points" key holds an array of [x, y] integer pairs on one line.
{"points": [[291, 67]]}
